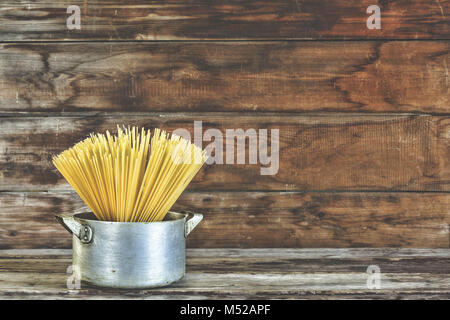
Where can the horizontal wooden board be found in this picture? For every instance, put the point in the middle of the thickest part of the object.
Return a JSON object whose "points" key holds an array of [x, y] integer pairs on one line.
{"points": [[396, 76], [316, 152], [203, 19], [247, 274], [257, 219]]}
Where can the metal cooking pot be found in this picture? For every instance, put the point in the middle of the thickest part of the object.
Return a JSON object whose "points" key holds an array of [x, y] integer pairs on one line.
{"points": [[129, 254]]}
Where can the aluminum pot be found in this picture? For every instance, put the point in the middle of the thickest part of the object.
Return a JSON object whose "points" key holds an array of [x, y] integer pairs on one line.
{"points": [[129, 254]]}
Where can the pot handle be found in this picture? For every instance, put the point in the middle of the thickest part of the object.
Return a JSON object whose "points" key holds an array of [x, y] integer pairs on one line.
{"points": [[192, 223], [82, 232]]}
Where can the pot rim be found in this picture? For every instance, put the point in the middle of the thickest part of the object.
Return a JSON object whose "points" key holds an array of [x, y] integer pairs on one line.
{"points": [[180, 217]]}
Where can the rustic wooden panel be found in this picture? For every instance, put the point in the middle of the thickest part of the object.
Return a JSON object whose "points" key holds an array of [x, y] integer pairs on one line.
{"points": [[257, 219], [398, 76], [317, 152], [203, 19], [247, 274]]}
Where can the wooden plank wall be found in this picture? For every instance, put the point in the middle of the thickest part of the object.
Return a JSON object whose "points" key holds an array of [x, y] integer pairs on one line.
{"points": [[363, 114]]}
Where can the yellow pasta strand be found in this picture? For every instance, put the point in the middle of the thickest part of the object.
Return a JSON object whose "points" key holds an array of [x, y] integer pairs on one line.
{"points": [[132, 176]]}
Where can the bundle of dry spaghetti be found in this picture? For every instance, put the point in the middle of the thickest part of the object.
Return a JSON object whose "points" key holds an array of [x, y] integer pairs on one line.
{"points": [[127, 177]]}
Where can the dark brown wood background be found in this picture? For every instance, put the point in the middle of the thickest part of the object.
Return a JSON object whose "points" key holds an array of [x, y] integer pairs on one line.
{"points": [[363, 114]]}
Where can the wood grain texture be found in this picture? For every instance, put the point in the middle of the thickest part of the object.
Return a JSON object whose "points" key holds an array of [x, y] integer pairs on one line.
{"points": [[390, 132], [257, 219], [201, 19], [361, 76], [316, 152], [248, 274]]}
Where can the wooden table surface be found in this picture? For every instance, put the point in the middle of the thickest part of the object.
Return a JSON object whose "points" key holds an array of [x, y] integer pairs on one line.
{"points": [[248, 274]]}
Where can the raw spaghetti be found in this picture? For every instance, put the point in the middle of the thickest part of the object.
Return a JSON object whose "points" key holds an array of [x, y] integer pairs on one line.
{"points": [[128, 177]]}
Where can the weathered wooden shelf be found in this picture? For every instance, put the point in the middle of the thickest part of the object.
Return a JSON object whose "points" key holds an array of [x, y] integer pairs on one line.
{"points": [[248, 274]]}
